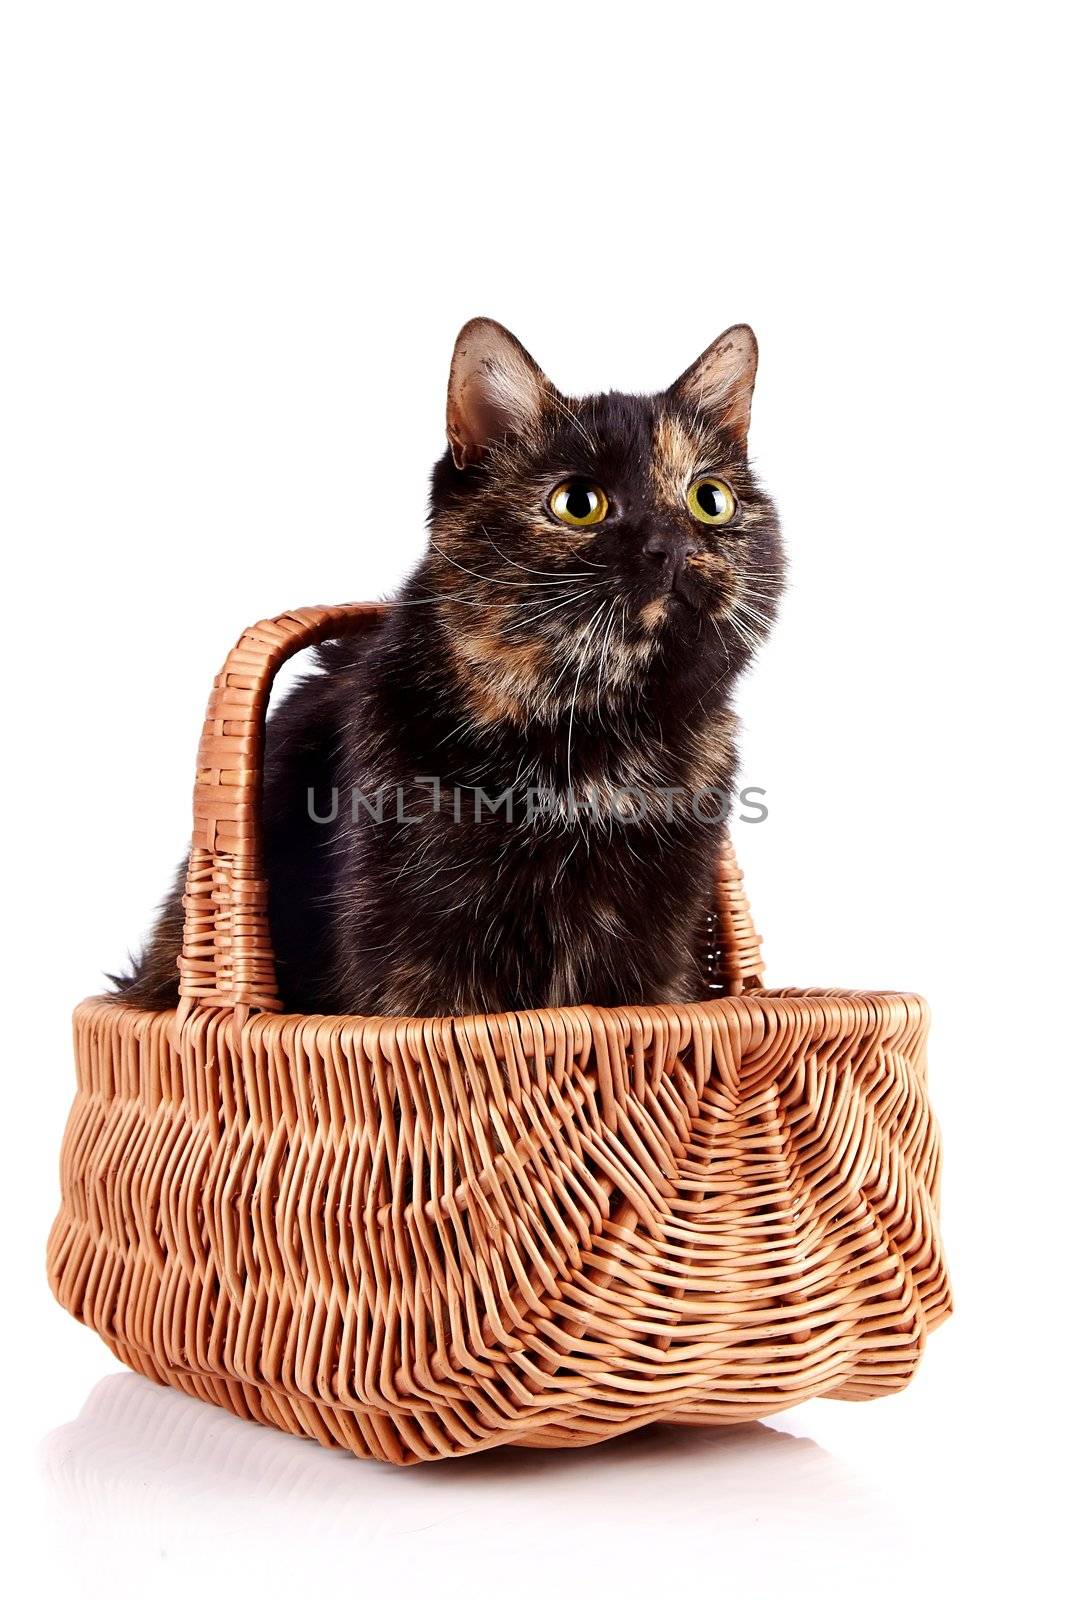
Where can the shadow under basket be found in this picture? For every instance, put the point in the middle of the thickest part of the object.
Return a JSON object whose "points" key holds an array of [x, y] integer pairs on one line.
{"points": [[421, 1237]]}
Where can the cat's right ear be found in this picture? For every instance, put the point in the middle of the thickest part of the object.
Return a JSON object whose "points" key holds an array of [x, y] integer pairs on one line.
{"points": [[495, 388], [720, 381]]}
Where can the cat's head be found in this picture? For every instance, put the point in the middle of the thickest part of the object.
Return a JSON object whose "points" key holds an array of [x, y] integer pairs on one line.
{"points": [[581, 547]]}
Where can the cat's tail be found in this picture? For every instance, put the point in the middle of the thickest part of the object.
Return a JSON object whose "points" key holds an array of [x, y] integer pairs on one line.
{"points": [[152, 981]]}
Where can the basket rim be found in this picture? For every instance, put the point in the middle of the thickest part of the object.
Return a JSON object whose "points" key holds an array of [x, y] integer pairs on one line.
{"points": [[750, 1000]]}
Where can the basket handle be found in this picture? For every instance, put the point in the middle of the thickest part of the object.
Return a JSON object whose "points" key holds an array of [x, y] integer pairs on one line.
{"points": [[227, 960], [738, 956]]}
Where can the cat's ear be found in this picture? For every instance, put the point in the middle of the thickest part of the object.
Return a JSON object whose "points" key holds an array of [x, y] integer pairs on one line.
{"points": [[721, 381], [495, 388]]}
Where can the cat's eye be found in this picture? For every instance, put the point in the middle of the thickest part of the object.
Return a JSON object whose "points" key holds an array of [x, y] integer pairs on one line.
{"points": [[712, 501], [578, 503]]}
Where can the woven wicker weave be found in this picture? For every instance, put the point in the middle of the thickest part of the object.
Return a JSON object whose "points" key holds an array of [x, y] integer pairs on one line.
{"points": [[421, 1237]]}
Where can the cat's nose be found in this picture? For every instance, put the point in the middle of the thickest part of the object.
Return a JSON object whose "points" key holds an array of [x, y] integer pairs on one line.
{"points": [[669, 551]]}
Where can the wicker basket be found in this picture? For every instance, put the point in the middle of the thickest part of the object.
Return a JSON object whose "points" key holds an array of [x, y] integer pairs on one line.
{"points": [[417, 1238]]}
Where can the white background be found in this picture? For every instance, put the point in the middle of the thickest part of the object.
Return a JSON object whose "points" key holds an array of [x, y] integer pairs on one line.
{"points": [[238, 243]]}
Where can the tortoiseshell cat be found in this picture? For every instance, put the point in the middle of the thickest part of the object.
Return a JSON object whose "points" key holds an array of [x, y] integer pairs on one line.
{"points": [[599, 572]]}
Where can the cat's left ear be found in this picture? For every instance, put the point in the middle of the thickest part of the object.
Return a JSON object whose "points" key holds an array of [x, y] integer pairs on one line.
{"points": [[495, 388], [721, 381]]}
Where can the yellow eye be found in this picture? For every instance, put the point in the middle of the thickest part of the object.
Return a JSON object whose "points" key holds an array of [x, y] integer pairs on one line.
{"points": [[711, 500], [578, 503]]}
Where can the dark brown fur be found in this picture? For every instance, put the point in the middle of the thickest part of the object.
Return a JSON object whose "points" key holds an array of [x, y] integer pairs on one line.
{"points": [[525, 654]]}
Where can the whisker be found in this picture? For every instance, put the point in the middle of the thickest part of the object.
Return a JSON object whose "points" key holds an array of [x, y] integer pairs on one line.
{"points": [[743, 631], [603, 657], [461, 600], [537, 571], [558, 400], [574, 697], [511, 583], [750, 611], [547, 610]]}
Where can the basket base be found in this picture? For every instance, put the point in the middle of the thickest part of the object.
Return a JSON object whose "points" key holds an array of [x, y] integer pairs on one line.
{"points": [[374, 1436]]}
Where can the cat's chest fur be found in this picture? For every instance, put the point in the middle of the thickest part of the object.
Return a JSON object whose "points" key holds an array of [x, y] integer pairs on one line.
{"points": [[535, 865]]}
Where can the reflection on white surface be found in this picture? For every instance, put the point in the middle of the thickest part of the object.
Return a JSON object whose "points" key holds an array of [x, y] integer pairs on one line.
{"points": [[151, 1489]]}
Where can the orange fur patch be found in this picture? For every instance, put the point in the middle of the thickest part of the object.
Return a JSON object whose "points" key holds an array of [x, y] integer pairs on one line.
{"points": [[499, 676], [652, 615], [675, 457]]}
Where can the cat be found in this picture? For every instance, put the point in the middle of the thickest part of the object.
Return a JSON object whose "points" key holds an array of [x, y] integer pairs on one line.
{"points": [[505, 793]]}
